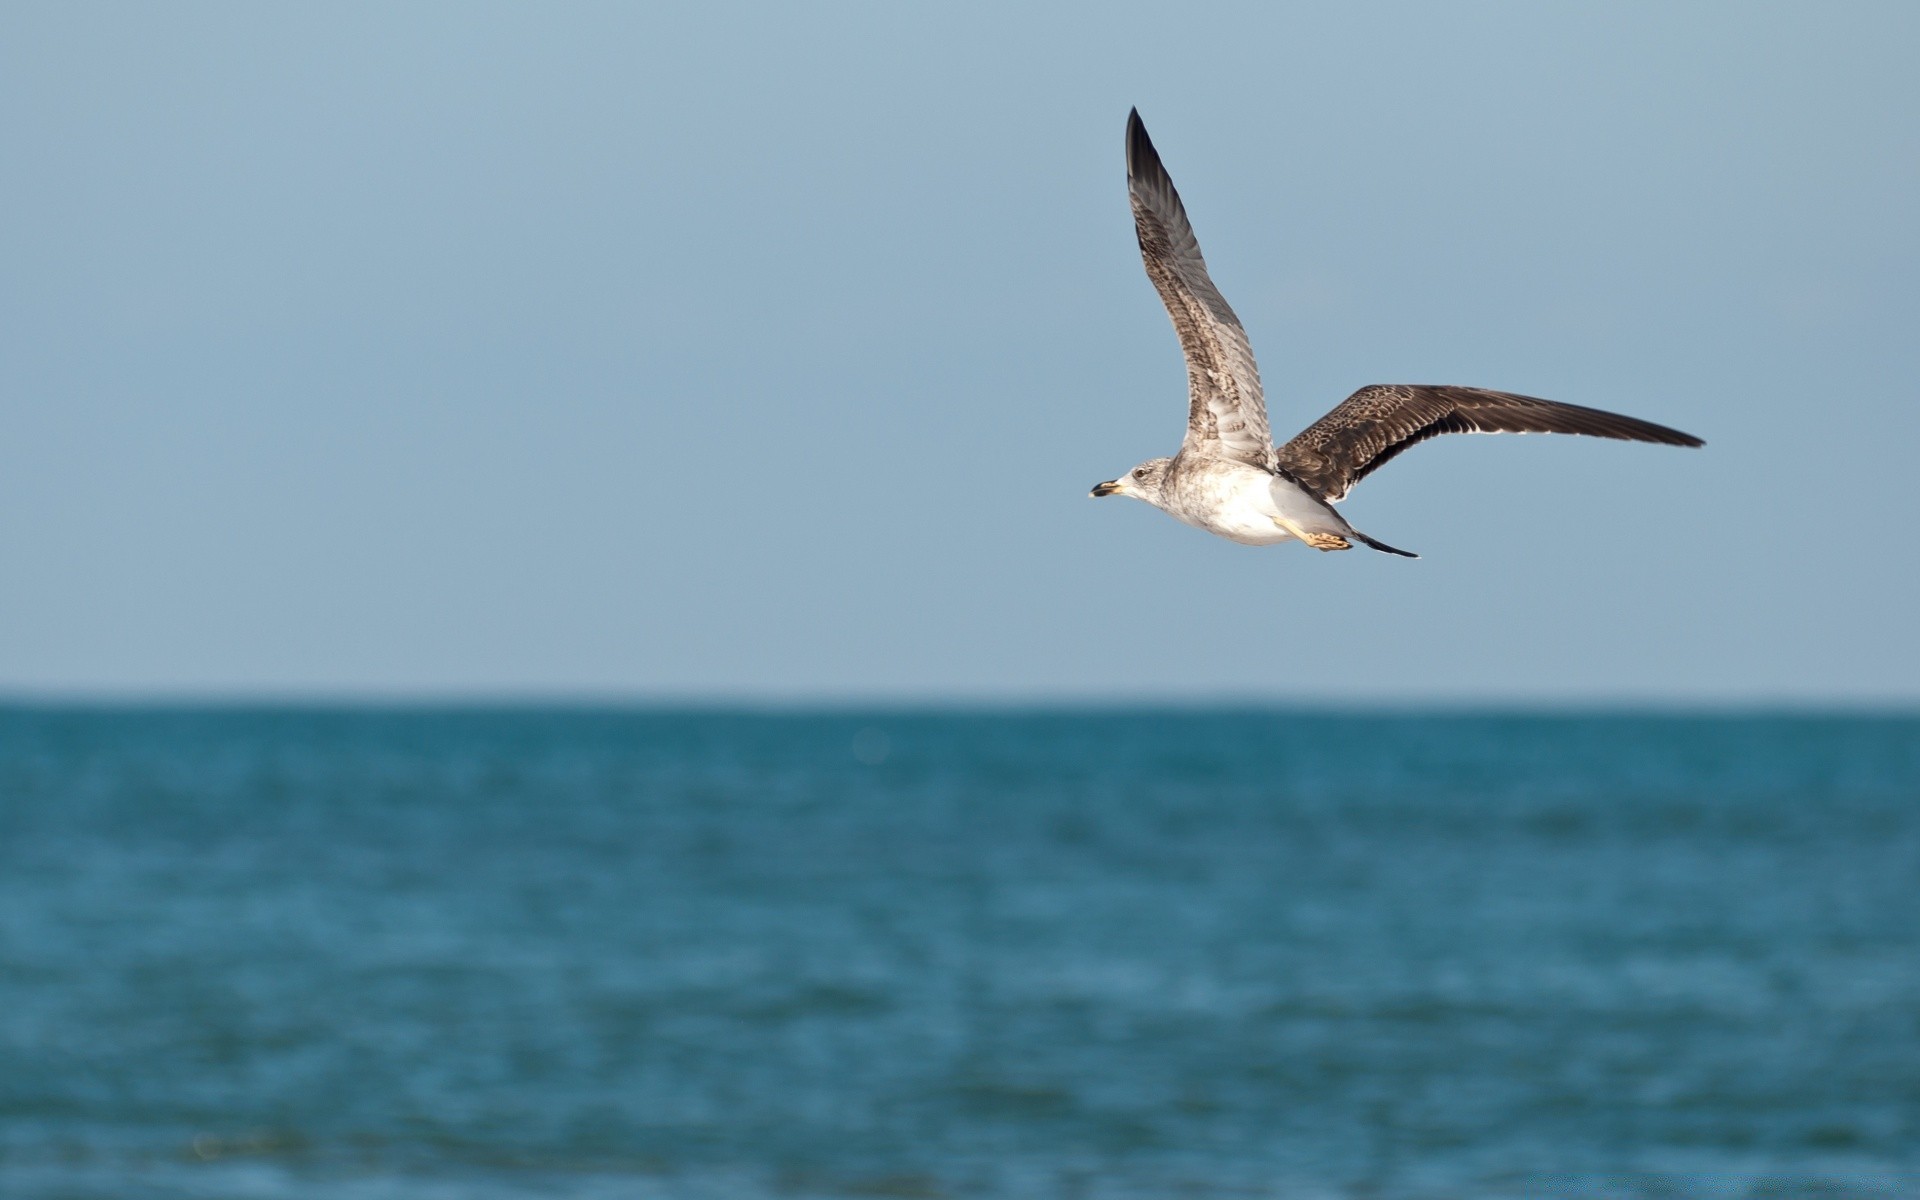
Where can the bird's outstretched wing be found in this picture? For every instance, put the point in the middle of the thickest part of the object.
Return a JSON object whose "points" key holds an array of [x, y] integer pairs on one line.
{"points": [[1226, 415], [1376, 423]]}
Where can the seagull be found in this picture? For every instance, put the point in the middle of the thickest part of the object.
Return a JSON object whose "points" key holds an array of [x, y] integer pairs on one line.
{"points": [[1229, 478]]}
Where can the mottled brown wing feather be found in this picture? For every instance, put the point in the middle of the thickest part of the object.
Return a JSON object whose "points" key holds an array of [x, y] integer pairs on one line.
{"points": [[1376, 423], [1226, 414]]}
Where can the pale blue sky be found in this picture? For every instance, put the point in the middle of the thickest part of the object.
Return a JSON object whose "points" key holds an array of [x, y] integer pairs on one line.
{"points": [[770, 350]]}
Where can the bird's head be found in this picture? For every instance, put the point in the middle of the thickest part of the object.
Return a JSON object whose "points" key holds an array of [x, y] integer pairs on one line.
{"points": [[1142, 483]]}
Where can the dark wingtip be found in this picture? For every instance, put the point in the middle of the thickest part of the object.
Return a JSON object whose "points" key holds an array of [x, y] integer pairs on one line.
{"points": [[1383, 548], [1140, 149], [1647, 431], [1618, 425]]}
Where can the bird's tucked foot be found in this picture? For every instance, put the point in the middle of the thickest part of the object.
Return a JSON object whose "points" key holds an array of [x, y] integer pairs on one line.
{"points": [[1319, 539]]}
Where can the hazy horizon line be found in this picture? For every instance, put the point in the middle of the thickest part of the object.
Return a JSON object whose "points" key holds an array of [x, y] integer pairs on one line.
{"points": [[828, 701]]}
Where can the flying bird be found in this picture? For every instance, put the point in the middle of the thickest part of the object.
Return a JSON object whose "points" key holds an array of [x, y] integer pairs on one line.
{"points": [[1229, 478]]}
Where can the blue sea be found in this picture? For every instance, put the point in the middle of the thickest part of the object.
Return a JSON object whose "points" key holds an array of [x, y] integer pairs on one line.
{"points": [[396, 954]]}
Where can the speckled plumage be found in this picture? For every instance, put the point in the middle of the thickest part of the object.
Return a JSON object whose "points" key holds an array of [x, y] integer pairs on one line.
{"points": [[1228, 477]]}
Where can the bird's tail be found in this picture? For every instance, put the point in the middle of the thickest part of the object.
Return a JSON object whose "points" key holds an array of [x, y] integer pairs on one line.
{"points": [[1382, 547]]}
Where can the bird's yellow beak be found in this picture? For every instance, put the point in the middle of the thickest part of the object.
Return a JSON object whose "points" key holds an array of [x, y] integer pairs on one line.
{"points": [[1110, 487]]}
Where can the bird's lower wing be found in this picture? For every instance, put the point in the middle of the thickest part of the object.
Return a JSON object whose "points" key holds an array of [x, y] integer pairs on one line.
{"points": [[1376, 423]]}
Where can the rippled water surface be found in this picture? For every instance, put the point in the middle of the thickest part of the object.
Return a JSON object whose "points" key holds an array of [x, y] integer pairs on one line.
{"points": [[600, 954]]}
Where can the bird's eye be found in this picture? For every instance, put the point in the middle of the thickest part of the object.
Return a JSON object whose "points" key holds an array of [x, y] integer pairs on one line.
{"points": [[1139, 473]]}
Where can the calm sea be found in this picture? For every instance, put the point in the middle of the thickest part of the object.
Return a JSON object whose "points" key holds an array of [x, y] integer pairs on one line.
{"points": [[428, 955]]}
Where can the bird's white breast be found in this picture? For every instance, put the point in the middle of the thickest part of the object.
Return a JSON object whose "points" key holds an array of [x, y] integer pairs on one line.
{"points": [[1229, 499]]}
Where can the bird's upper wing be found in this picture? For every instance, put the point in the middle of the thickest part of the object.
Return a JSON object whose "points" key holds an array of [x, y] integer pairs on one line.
{"points": [[1376, 423], [1226, 415]]}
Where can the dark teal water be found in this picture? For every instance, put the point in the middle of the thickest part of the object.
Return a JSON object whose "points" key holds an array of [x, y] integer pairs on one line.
{"points": [[407, 955]]}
